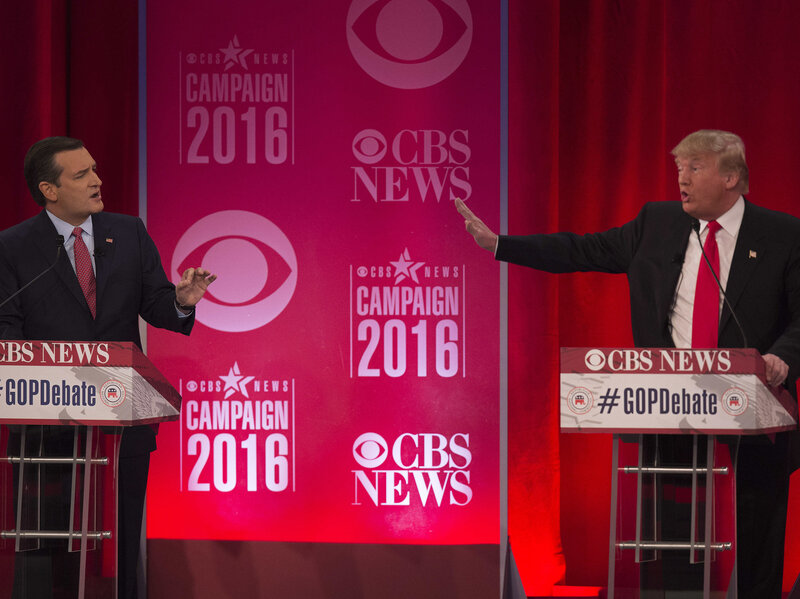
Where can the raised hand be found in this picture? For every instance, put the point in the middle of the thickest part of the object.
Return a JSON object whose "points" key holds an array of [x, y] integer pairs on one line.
{"points": [[482, 234], [193, 285]]}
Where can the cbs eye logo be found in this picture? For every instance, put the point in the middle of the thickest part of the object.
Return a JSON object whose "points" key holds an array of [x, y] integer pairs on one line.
{"points": [[409, 44], [369, 146], [254, 260], [370, 450], [594, 360]]}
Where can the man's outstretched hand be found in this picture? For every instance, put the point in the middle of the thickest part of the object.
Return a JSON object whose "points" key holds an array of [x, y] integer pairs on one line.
{"points": [[480, 232]]}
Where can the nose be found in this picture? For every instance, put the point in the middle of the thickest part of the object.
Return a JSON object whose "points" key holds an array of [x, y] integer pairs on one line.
{"points": [[96, 182]]}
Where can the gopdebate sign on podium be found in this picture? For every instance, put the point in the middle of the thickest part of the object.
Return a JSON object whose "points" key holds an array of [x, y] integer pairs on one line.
{"points": [[75, 382], [714, 391]]}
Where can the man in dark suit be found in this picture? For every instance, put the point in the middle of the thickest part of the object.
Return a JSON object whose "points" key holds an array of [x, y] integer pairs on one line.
{"points": [[108, 273], [758, 266]]}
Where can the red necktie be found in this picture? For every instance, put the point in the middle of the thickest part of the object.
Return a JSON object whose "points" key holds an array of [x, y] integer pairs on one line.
{"points": [[705, 318], [83, 268]]}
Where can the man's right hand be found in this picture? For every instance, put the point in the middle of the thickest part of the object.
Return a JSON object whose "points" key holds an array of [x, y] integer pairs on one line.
{"points": [[476, 227]]}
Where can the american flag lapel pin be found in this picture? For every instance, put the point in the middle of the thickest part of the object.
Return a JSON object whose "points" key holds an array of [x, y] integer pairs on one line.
{"points": [[111, 240], [752, 254]]}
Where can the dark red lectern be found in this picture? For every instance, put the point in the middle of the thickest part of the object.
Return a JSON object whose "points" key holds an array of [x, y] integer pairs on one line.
{"points": [[676, 416], [63, 404]]}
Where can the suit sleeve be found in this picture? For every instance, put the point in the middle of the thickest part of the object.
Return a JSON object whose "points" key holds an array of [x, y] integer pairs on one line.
{"points": [[610, 251], [787, 345], [10, 313], [158, 294]]}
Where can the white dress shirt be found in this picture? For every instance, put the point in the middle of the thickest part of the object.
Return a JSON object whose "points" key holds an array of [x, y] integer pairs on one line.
{"points": [[683, 304], [64, 229]]}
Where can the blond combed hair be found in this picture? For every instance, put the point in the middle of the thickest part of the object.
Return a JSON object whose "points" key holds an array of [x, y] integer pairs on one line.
{"points": [[728, 147]]}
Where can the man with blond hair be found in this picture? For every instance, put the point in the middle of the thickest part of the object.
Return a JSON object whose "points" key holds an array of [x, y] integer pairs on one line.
{"points": [[672, 291]]}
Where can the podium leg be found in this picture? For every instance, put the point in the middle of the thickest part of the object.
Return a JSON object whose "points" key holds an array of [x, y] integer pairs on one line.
{"points": [[709, 516], [20, 485], [54, 520], [87, 473], [669, 544], [612, 534]]}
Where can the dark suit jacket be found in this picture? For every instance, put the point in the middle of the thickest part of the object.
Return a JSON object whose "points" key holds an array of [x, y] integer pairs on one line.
{"points": [[763, 284], [130, 282]]}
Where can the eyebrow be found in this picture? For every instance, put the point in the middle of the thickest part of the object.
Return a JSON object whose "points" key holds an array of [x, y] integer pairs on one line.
{"points": [[85, 170], [689, 161]]}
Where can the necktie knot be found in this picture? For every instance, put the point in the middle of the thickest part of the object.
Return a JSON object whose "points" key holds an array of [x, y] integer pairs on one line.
{"points": [[713, 227]]}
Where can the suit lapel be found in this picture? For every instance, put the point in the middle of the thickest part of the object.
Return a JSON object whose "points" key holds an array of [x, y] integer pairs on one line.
{"points": [[103, 253], [746, 256], [45, 240], [676, 239]]}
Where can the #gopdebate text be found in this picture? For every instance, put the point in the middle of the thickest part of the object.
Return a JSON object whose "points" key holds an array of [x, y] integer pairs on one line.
{"points": [[655, 400]]}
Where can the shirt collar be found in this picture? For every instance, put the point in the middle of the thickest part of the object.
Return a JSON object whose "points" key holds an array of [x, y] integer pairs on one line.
{"points": [[65, 229], [731, 220]]}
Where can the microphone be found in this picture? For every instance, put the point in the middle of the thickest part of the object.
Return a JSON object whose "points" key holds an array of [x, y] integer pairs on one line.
{"points": [[60, 242], [696, 229], [100, 249]]}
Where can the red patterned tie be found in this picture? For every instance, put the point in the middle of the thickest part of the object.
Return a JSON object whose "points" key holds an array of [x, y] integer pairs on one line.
{"points": [[705, 319], [83, 268]]}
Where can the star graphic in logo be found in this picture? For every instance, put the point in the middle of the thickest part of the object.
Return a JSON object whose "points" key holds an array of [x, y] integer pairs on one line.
{"points": [[234, 54], [234, 381], [404, 267]]}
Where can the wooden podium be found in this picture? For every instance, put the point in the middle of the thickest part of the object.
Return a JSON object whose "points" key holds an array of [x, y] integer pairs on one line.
{"points": [[63, 406], [676, 416]]}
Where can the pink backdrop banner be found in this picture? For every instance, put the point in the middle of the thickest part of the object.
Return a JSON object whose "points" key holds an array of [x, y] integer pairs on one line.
{"points": [[342, 380]]}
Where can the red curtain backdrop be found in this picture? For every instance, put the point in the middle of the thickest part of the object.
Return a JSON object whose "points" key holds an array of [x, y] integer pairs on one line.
{"points": [[70, 68], [533, 306], [617, 84], [600, 90]]}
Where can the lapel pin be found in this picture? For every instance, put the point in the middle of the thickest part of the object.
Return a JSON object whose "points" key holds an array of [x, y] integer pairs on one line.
{"points": [[752, 254], [110, 240]]}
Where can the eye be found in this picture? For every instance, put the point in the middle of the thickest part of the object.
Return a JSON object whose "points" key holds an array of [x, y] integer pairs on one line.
{"points": [[409, 44], [252, 269], [370, 450], [254, 260], [409, 31], [369, 146]]}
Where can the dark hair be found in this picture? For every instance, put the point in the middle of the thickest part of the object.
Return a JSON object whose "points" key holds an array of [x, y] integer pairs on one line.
{"points": [[40, 164]]}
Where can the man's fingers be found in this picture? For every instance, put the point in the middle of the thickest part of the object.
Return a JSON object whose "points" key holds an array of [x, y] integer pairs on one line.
{"points": [[776, 369], [463, 210], [480, 232], [472, 223], [191, 274], [473, 227]]}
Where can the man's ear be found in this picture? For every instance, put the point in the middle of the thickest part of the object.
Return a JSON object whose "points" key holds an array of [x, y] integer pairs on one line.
{"points": [[48, 190], [731, 180]]}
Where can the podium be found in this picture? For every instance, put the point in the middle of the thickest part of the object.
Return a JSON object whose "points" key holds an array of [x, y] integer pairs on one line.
{"points": [[676, 416], [64, 406]]}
